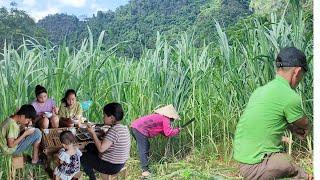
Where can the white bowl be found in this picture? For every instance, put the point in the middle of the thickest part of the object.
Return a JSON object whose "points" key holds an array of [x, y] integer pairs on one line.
{"points": [[75, 121], [105, 128], [46, 131], [48, 114], [83, 126], [73, 130], [29, 127]]}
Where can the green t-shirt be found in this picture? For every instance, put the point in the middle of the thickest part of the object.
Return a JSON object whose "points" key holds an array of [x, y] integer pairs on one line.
{"points": [[266, 117], [68, 112], [9, 129]]}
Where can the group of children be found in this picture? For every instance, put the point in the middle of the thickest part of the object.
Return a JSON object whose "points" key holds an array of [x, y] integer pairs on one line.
{"points": [[107, 156], [48, 115]]}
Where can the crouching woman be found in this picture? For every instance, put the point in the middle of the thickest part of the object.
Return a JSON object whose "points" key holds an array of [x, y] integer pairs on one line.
{"points": [[108, 156]]}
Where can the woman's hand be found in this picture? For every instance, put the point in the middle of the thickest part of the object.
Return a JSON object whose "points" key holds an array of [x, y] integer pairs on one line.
{"points": [[90, 129], [41, 114], [55, 110]]}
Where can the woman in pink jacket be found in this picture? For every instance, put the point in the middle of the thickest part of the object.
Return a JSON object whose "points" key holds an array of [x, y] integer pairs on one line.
{"points": [[150, 126]]}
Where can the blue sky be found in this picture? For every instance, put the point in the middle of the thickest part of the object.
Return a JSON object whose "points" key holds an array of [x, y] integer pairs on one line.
{"points": [[38, 9]]}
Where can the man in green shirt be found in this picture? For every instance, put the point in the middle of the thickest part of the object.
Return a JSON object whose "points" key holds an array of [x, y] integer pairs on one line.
{"points": [[272, 109], [13, 143]]}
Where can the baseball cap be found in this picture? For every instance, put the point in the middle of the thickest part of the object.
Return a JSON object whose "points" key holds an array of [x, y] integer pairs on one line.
{"points": [[291, 57]]}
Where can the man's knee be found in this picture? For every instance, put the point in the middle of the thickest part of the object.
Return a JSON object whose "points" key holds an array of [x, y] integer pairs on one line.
{"points": [[37, 135], [280, 165], [280, 160], [55, 119]]}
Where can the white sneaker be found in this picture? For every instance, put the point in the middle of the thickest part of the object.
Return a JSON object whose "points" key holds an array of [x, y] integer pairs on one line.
{"points": [[145, 173]]}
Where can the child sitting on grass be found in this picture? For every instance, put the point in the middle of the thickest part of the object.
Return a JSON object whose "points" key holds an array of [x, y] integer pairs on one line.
{"points": [[69, 157]]}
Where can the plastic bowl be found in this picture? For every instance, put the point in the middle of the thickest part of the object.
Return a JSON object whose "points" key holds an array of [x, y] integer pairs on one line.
{"points": [[48, 114]]}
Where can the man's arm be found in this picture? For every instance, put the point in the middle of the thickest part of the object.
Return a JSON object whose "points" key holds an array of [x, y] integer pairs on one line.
{"points": [[300, 127], [302, 123], [11, 142]]}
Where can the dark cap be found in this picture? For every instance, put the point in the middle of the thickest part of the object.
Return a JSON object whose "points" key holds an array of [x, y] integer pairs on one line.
{"points": [[291, 57]]}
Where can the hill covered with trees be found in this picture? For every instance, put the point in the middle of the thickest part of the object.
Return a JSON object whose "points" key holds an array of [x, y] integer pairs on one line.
{"points": [[136, 23], [134, 26]]}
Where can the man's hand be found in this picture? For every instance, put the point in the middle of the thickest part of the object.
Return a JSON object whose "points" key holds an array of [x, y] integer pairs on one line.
{"points": [[29, 131], [285, 139], [299, 132]]}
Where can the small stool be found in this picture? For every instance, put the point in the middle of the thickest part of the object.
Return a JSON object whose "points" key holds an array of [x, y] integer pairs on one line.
{"points": [[122, 172], [17, 163]]}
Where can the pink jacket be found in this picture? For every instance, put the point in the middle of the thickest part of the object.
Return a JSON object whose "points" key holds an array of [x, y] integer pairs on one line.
{"points": [[153, 125]]}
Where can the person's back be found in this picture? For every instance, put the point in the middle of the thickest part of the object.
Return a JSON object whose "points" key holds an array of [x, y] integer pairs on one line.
{"points": [[9, 129], [264, 121], [150, 126], [153, 125], [270, 111]]}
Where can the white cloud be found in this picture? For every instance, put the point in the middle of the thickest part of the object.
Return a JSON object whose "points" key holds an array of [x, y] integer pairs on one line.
{"points": [[4, 3], [73, 3], [29, 3], [96, 7], [37, 15]]}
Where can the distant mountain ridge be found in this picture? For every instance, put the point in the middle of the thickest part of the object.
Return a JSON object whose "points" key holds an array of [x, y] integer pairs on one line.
{"points": [[139, 20], [135, 23]]}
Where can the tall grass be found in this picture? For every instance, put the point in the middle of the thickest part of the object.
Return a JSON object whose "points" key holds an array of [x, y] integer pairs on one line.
{"points": [[212, 83]]}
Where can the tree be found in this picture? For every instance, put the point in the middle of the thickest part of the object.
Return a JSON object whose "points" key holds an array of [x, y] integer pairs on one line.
{"points": [[15, 25], [263, 7], [62, 26]]}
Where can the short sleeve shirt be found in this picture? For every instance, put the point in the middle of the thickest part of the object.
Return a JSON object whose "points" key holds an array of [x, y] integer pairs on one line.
{"points": [[119, 151], [68, 112], [9, 129], [46, 107], [269, 111]]}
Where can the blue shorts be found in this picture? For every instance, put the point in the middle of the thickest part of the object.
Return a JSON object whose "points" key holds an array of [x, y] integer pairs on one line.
{"points": [[25, 143]]}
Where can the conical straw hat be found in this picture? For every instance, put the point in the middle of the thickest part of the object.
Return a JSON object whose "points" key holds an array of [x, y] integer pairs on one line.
{"points": [[168, 111]]}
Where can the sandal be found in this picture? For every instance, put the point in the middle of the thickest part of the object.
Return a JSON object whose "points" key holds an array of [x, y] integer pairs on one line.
{"points": [[38, 163]]}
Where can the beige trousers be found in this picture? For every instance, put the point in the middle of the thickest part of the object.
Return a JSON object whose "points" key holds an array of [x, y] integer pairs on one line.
{"points": [[274, 166]]}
